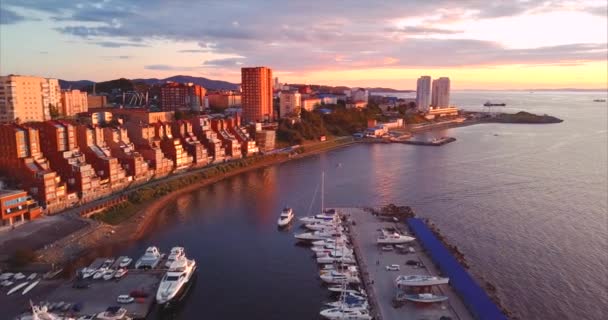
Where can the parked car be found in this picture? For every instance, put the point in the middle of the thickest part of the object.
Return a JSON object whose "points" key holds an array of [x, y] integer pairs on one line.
{"points": [[125, 298], [393, 267]]}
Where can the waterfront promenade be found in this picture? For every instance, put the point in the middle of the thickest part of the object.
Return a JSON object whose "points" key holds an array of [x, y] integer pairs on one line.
{"points": [[380, 282]]}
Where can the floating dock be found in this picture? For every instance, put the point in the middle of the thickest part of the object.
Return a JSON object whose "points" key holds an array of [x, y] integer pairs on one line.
{"points": [[379, 281]]}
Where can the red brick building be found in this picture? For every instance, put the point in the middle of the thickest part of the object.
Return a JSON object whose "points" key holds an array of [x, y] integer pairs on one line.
{"points": [[256, 100], [182, 96]]}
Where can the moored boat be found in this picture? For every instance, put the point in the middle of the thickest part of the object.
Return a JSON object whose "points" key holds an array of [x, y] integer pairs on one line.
{"points": [[16, 288], [150, 259], [124, 262], [176, 253], [394, 238], [346, 313], [30, 287], [120, 273], [109, 274], [286, 217], [419, 280], [424, 297], [175, 280]]}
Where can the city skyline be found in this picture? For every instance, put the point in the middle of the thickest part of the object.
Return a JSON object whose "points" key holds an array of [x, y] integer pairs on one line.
{"points": [[516, 45]]}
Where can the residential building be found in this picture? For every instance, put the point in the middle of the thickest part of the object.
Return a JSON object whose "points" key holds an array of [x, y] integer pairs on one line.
{"points": [[328, 98], [248, 144], [51, 96], [224, 99], [265, 139], [21, 161], [21, 99], [356, 105], [116, 138], [58, 144], [201, 127], [310, 103], [97, 101], [257, 102], [148, 144], [73, 102], [359, 94], [442, 112], [229, 142], [182, 96], [172, 147], [441, 93], [140, 115], [182, 129], [290, 104], [91, 141], [423, 93], [16, 206]]}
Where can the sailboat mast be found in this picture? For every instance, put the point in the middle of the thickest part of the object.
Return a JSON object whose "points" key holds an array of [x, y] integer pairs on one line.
{"points": [[322, 191]]}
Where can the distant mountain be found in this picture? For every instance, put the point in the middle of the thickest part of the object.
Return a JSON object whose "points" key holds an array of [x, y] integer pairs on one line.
{"points": [[130, 84], [203, 82], [380, 89], [65, 84]]}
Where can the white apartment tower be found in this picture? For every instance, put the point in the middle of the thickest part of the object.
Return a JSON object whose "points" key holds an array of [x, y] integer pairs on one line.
{"points": [[423, 93], [441, 93], [290, 103]]}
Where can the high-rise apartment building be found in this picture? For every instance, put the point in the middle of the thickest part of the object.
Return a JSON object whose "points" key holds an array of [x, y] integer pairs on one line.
{"points": [[182, 96], [441, 93], [21, 99], [290, 104], [73, 102], [423, 93], [51, 96], [257, 87]]}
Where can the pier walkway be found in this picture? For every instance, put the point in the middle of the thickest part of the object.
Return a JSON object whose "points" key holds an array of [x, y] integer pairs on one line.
{"points": [[380, 282]]}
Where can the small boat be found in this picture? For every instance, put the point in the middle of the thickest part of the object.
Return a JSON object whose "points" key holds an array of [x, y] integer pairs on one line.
{"points": [[19, 276], [17, 287], [331, 247], [425, 297], [419, 280], [350, 300], [334, 252], [125, 299], [318, 235], [113, 313], [67, 306], [150, 259], [334, 241], [175, 280], [491, 104], [99, 273], [87, 272], [394, 238], [346, 313], [32, 276], [285, 217], [6, 276], [6, 283], [176, 253], [328, 217], [109, 274], [334, 277], [344, 289], [347, 259], [52, 274], [599, 100], [120, 273], [124, 262], [107, 263], [321, 226], [42, 312], [30, 287]]}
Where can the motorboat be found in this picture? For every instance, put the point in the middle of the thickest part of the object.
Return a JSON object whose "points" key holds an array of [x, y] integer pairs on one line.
{"points": [[339, 267], [125, 299], [109, 274], [350, 300], [107, 263], [330, 247], [285, 217], [32, 276], [52, 273], [344, 289], [30, 287], [114, 313], [99, 273], [346, 313], [334, 252], [120, 273], [334, 277], [322, 217], [150, 259], [6, 283], [423, 297], [19, 276], [124, 262], [331, 258], [394, 238], [175, 280], [337, 240], [176, 253], [87, 272], [42, 313], [16, 288], [319, 226], [6, 276], [318, 235], [419, 280]]}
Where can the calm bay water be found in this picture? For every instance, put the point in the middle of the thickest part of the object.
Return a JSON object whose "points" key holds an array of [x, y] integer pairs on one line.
{"points": [[527, 204]]}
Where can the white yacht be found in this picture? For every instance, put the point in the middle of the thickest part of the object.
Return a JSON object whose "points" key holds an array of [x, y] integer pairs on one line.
{"points": [[87, 272], [319, 226], [331, 258], [334, 253], [419, 280], [6, 276], [330, 247], [42, 313], [345, 289], [176, 253], [394, 238], [335, 277], [346, 313], [99, 273], [350, 300], [124, 262], [109, 274], [338, 240], [150, 259], [424, 297], [318, 235], [322, 217], [285, 217], [175, 280], [120, 273]]}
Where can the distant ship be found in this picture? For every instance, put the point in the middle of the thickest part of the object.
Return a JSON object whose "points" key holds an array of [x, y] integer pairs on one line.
{"points": [[599, 100], [490, 104]]}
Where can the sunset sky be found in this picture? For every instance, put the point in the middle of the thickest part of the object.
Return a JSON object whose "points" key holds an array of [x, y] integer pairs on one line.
{"points": [[478, 44]]}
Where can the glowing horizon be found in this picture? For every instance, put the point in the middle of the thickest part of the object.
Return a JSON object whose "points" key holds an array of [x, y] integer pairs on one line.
{"points": [[515, 45]]}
